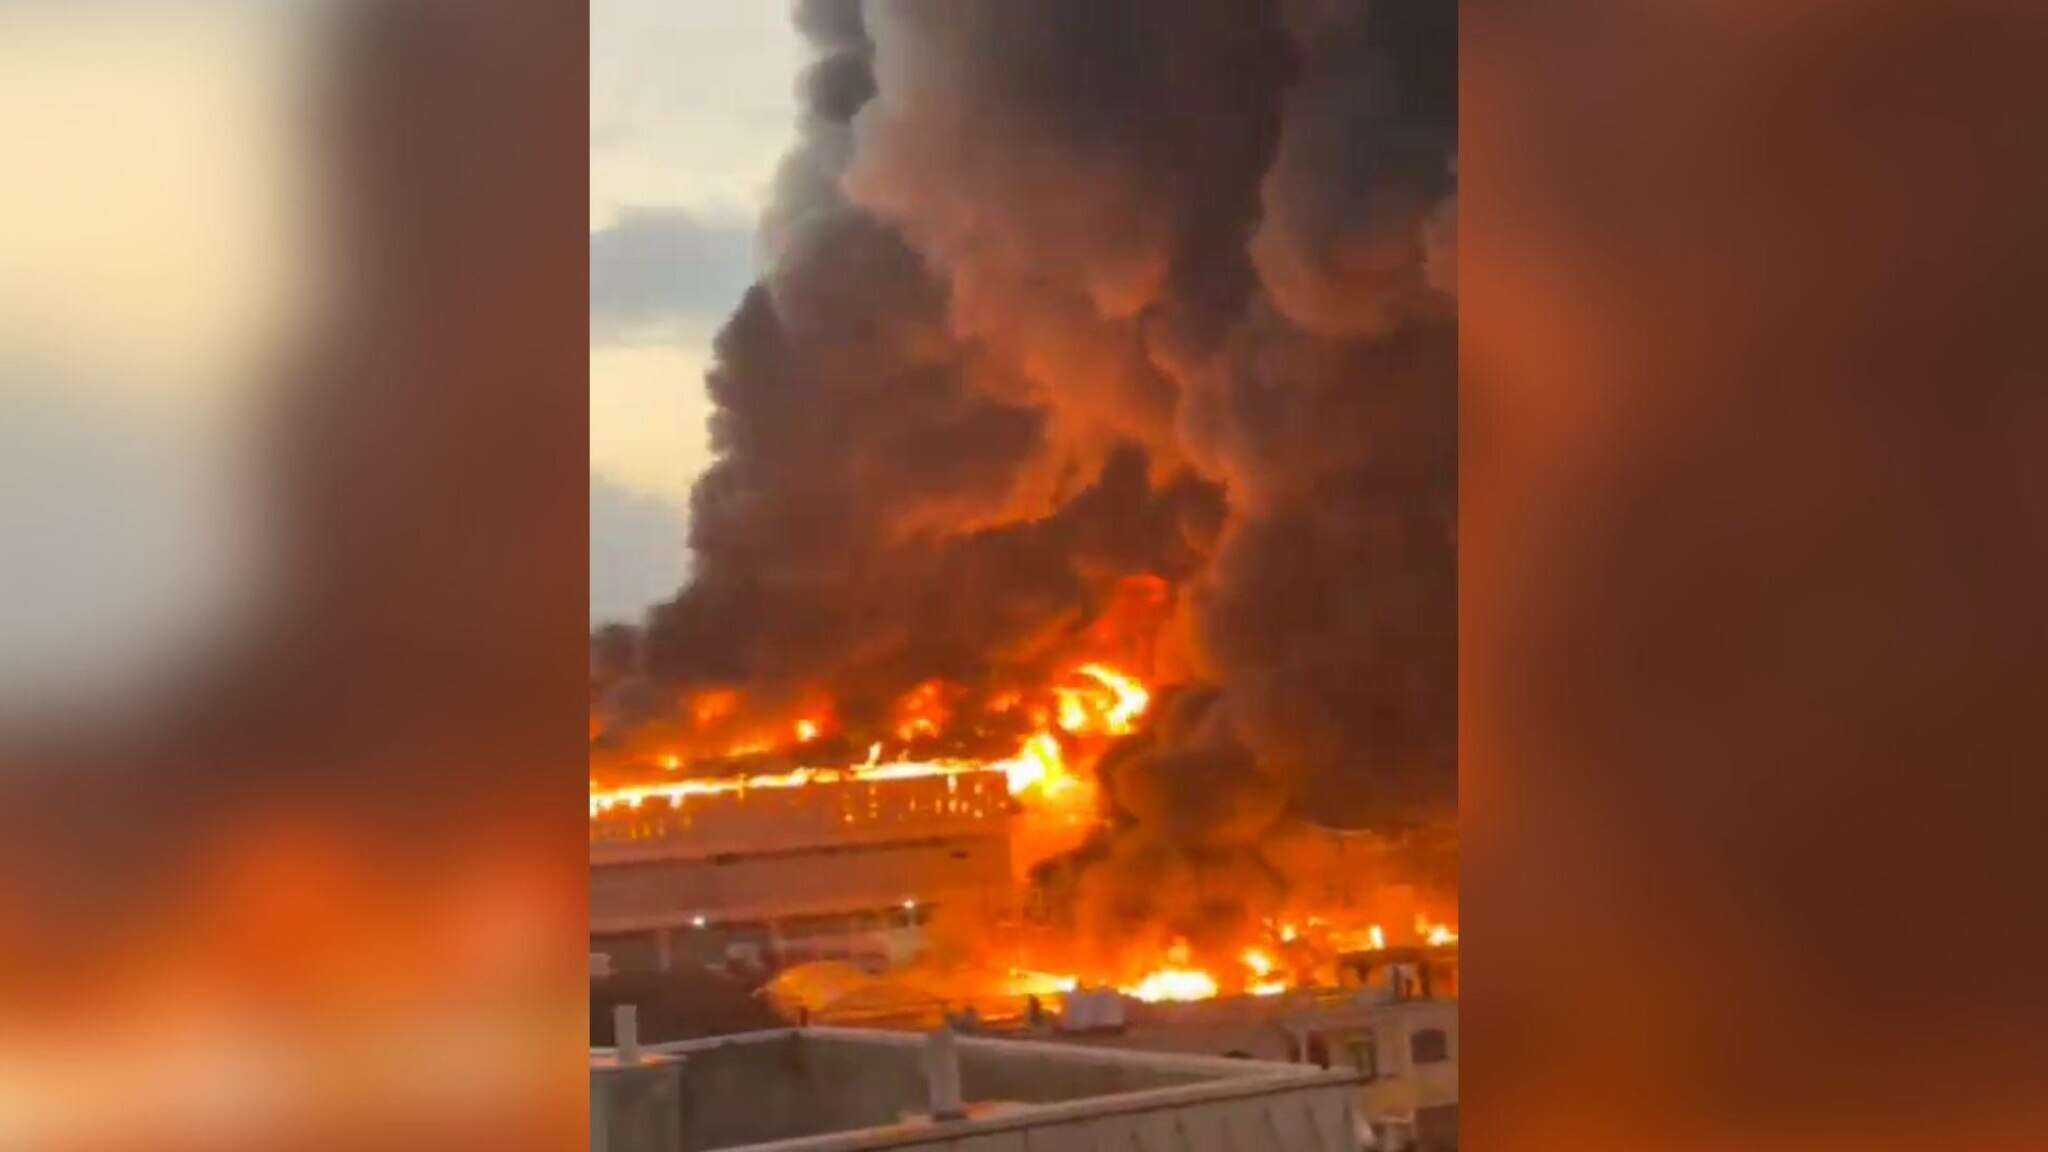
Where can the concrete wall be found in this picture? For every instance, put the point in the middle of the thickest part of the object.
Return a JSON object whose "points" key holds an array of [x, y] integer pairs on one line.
{"points": [[1216, 1117], [806, 1084], [635, 1107], [643, 895], [850, 1090], [877, 940], [1256, 1040]]}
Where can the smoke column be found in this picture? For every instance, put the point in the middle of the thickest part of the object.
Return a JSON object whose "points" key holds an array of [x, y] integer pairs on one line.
{"points": [[1067, 294]]}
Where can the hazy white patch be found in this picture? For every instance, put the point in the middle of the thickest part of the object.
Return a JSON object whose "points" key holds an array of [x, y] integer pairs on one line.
{"points": [[691, 105], [638, 554]]}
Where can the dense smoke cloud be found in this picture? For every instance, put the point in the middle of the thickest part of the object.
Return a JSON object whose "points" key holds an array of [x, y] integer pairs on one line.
{"points": [[1068, 293]]}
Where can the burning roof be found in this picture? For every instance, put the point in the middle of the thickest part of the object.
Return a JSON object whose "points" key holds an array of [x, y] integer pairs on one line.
{"points": [[1095, 417]]}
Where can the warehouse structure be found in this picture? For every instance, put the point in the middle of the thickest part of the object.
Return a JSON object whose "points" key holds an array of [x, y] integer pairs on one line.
{"points": [[757, 879]]}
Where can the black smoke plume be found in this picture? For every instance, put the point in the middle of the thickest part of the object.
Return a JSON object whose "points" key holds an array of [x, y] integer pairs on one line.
{"points": [[1065, 293]]}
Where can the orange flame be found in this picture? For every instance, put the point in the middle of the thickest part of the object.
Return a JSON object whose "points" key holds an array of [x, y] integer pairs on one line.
{"points": [[924, 711], [1173, 981], [1041, 765], [1111, 703], [1433, 934], [1179, 984], [1038, 767], [1261, 966], [1027, 982], [1050, 773]]}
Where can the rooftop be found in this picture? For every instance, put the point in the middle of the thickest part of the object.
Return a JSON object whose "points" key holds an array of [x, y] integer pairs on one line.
{"points": [[842, 1090], [744, 815]]}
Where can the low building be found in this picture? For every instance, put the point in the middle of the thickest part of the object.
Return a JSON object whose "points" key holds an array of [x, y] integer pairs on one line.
{"points": [[1405, 1051], [1386, 1023], [838, 1090], [762, 878], [1402, 1044]]}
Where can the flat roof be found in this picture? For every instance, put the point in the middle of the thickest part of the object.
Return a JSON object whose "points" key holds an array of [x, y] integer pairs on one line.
{"points": [[854, 1090]]}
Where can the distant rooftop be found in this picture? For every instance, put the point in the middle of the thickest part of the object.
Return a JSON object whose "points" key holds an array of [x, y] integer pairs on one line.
{"points": [[729, 815], [850, 1090]]}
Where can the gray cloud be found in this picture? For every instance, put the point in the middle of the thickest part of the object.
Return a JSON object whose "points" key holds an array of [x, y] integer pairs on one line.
{"points": [[638, 555], [657, 267]]}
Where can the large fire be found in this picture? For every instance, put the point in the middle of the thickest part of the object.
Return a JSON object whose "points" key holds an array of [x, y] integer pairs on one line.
{"points": [[1050, 776], [1095, 702], [1175, 551], [1173, 983], [1291, 956]]}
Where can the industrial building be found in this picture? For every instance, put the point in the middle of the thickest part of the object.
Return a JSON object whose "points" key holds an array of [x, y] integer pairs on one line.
{"points": [[1390, 1023], [1401, 1044], [837, 1090], [758, 878], [839, 874], [1404, 1051]]}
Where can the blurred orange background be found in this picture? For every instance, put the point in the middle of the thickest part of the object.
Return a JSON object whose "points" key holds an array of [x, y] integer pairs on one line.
{"points": [[292, 367], [1754, 528]]}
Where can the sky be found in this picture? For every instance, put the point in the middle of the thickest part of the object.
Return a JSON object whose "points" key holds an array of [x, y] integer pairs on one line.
{"points": [[691, 107]]}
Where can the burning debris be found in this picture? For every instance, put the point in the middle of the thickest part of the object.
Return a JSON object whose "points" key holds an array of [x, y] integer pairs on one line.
{"points": [[1096, 419]]}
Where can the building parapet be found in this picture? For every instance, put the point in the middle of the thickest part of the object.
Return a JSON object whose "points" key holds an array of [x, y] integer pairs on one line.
{"points": [[867, 1090]]}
